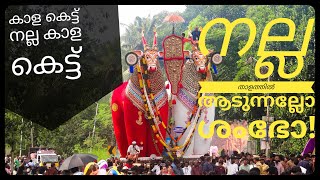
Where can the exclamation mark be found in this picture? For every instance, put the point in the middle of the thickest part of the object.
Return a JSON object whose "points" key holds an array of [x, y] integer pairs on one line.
{"points": [[311, 126]]}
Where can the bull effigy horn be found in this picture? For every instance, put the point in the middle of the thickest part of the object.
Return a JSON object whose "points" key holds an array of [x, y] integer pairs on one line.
{"points": [[154, 46], [144, 42]]}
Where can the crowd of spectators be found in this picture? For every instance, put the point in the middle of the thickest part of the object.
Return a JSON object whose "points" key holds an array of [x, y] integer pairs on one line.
{"points": [[236, 164]]}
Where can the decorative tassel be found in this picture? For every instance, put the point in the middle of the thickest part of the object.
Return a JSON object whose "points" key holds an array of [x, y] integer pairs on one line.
{"points": [[180, 85], [173, 101], [167, 86], [214, 69], [131, 69]]}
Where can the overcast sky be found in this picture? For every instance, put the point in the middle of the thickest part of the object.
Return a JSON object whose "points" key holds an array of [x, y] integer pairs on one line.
{"points": [[127, 13]]}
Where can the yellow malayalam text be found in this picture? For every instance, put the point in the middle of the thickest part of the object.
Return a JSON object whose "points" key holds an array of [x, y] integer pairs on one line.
{"points": [[295, 104], [257, 129]]}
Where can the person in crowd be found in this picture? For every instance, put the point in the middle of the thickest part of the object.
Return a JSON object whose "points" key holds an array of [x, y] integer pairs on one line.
{"points": [[263, 167], [17, 163], [133, 151], [184, 39], [254, 171], [176, 166], [201, 163], [283, 162], [120, 166], [8, 169], [171, 171], [187, 169], [52, 170], [156, 169], [245, 166], [278, 164], [41, 170], [232, 168], [313, 161], [256, 162], [207, 166], [220, 170], [195, 170], [305, 163], [248, 156], [21, 169], [272, 171], [242, 172], [269, 162], [296, 163], [34, 170], [103, 167], [30, 163], [141, 168], [214, 162], [287, 172], [124, 170], [290, 163], [76, 171], [296, 169], [91, 169], [221, 159], [129, 163], [164, 170], [66, 172], [251, 163], [299, 157], [196, 34]]}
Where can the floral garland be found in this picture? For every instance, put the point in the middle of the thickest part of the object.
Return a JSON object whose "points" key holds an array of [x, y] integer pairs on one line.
{"points": [[143, 80], [142, 76], [195, 109]]}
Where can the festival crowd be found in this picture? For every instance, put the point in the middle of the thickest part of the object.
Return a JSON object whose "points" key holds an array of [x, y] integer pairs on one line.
{"points": [[236, 164]]}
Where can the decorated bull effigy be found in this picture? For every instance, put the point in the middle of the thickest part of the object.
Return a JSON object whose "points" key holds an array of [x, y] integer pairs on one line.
{"points": [[185, 111], [141, 107]]}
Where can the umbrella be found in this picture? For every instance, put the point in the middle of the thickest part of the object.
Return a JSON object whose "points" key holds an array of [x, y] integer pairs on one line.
{"points": [[173, 18], [77, 160]]}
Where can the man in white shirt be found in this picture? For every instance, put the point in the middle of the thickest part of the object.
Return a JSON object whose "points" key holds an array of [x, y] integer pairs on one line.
{"points": [[224, 164], [186, 169], [232, 168], [133, 151], [156, 168], [303, 170]]}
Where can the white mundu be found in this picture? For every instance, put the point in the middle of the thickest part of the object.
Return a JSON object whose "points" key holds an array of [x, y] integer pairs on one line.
{"points": [[133, 149]]}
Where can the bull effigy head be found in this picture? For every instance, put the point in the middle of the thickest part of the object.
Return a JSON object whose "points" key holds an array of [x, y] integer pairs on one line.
{"points": [[151, 54], [199, 60], [151, 57]]}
